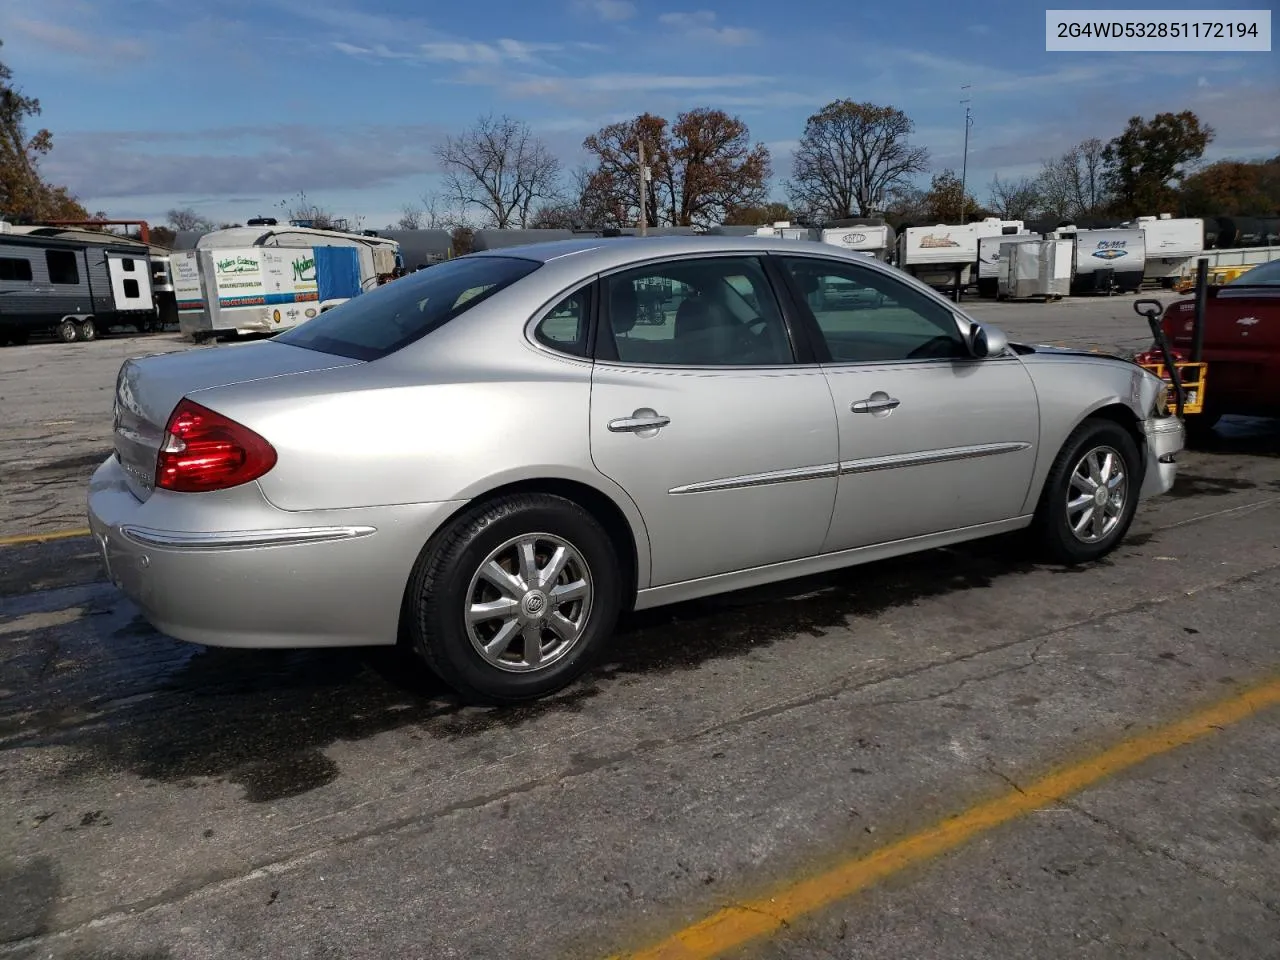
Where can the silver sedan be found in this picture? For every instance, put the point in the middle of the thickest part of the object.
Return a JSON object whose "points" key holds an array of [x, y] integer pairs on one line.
{"points": [[491, 459]]}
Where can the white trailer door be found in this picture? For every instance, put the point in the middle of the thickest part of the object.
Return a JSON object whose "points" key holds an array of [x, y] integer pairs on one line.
{"points": [[130, 282]]}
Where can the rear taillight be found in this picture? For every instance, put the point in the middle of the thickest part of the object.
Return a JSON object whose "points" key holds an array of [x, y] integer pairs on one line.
{"points": [[204, 451]]}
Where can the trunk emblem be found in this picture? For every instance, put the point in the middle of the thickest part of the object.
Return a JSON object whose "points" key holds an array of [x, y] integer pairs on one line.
{"points": [[1247, 321]]}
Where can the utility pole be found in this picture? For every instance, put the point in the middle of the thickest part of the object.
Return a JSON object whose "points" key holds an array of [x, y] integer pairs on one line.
{"points": [[644, 175], [964, 165]]}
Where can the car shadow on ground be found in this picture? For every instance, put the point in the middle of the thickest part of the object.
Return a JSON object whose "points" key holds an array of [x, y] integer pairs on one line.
{"points": [[262, 719]]}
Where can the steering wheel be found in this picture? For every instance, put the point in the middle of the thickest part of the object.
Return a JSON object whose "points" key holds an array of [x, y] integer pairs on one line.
{"points": [[939, 346]]}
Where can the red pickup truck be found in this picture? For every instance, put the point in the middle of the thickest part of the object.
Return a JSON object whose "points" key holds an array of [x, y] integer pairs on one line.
{"points": [[1241, 345]]}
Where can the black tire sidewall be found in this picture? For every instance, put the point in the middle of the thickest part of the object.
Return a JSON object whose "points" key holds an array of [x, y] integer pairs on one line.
{"points": [[1055, 535], [88, 331], [440, 595], [65, 327]]}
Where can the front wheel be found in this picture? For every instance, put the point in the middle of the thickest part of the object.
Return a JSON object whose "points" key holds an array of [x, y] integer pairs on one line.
{"points": [[1091, 494], [514, 600]]}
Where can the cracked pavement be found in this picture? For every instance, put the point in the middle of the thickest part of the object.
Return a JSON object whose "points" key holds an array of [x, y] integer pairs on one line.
{"points": [[169, 801]]}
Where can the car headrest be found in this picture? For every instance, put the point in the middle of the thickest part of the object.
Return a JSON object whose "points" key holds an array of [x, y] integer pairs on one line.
{"points": [[623, 307]]}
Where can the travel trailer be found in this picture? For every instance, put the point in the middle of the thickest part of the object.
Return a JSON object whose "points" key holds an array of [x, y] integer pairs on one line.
{"points": [[1170, 244], [875, 239], [72, 288], [946, 256], [990, 254], [1108, 261], [267, 279]]}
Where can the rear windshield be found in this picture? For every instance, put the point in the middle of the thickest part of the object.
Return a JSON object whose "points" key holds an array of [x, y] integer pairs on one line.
{"points": [[393, 316]]}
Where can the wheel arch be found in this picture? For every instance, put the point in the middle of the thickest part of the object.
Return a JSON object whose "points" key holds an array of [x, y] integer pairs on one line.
{"points": [[1113, 409], [623, 524]]}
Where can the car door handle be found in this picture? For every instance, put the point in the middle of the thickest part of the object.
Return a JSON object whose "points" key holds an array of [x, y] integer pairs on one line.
{"points": [[877, 404], [634, 424]]}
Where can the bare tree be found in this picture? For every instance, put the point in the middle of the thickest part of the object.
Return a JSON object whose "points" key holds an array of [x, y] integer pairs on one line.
{"points": [[851, 157], [410, 218], [1074, 185], [499, 166], [185, 218], [301, 207], [1015, 199]]}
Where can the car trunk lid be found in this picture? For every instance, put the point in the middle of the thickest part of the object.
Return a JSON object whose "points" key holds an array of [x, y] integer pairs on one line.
{"points": [[149, 388]]}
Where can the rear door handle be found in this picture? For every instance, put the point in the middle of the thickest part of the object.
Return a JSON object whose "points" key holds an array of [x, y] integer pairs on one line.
{"points": [[876, 403], [639, 422]]}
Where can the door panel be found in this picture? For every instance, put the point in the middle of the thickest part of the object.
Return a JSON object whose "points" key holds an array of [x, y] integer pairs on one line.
{"points": [[726, 446], [931, 439]]}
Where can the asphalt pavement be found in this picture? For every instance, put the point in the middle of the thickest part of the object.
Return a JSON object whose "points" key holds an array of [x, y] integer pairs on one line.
{"points": [[781, 760]]}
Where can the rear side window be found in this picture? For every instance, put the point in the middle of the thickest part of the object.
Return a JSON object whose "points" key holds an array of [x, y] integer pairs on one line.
{"points": [[62, 266], [396, 314], [15, 268]]}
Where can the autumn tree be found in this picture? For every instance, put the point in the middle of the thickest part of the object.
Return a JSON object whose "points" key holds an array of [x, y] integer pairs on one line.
{"points": [[1015, 199], [850, 157], [23, 192], [701, 166], [1233, 188], [945, 200], [1074, 185], [760, 215], [1147, 163], [500, 167]]}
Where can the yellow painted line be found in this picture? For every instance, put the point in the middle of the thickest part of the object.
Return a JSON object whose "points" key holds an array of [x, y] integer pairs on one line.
{"points": [[21, 538], [742, 923]]}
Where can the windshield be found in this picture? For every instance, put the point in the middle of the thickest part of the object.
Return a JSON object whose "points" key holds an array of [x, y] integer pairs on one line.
{"points": [[393, 316], [1264, 274]]}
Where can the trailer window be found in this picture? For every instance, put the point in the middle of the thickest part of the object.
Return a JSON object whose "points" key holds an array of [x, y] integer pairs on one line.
{"points": [[131, 289], [15, 268], [126, 264], [62, 266]]}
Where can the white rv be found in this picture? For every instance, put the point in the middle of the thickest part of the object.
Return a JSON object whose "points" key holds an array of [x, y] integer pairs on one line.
{"points": [[1170, 243], [947, 255], [267, 279], [875, 239], [1107, 261]]}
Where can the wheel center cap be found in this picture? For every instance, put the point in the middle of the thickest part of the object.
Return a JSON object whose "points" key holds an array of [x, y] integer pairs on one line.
{"points": [[1101, 495], [534, 604]]}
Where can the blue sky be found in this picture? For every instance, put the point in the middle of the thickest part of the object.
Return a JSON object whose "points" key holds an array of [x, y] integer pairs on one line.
{"points": [[232, 107]]}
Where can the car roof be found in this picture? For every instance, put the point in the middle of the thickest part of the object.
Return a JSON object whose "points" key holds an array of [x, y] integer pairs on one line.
{"points": [[592, 254]]}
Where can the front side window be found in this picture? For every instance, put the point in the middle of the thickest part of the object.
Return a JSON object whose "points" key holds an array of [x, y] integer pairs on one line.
{"points": [[866, 316], [697, 312], [393, 316], [62, 266]]}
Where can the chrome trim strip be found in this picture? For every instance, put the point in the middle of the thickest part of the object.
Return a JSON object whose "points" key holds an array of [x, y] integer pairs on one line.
{"points": [[240, 539], [925, 457], [759, 479]]}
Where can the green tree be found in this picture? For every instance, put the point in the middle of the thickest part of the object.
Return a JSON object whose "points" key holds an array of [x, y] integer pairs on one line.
{"points": [[23, 192], [1146, 164]]}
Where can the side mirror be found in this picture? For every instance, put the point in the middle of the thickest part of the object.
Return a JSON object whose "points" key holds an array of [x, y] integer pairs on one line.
{"points": [[987, 341]]}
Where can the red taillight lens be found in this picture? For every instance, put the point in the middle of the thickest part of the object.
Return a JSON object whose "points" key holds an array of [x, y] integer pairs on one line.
{"points": [[204, 451]]}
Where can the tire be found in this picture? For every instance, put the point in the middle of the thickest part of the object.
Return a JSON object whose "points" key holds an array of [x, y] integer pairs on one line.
{"points": [[67, 331], [447, 581], [1055, 519], [88, 329]]}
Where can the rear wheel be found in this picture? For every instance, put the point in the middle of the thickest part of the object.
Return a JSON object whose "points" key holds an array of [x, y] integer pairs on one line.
{"points": [[516, 598], [67, 331], [88, 329], [1091, 494]]}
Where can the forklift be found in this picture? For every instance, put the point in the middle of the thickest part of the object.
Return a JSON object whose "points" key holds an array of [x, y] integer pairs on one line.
{"points": [[1186, 377]]}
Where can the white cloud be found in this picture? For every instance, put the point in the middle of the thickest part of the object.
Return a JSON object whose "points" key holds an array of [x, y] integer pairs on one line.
{"points": [[609, 10], [61, 38], [701, 25]]}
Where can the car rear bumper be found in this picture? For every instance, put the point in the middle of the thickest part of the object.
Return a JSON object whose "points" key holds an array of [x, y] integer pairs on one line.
{"points": [[1165, 439], [233, 571]]}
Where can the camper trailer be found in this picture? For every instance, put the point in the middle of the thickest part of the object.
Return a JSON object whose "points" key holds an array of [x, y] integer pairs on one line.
{"points": [[1038, 268], [1108, 261], [990, 257], [249, 280], [72, 288], [1170, 244], [946, 256], [874, 239]]}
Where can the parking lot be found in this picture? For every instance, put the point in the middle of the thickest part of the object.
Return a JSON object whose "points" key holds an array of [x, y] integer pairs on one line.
{"points": [[955, 755]]}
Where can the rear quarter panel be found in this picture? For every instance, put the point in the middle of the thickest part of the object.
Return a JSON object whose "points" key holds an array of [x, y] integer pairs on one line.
{"points": [[1241, 346]]}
